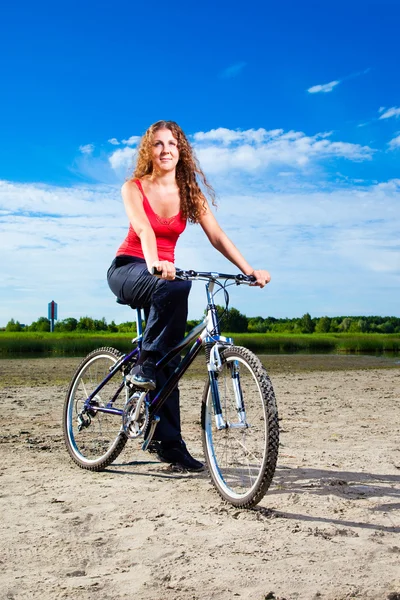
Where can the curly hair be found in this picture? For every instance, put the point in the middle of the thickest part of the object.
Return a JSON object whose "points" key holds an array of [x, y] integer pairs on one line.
{"points": [[193, 202]]}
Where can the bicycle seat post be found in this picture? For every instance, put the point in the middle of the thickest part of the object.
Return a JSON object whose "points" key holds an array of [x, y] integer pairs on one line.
{"points": [[139, 329]]}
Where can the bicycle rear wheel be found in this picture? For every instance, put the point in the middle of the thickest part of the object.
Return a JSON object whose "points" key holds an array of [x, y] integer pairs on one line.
{"points": [[97, 443], [241, 457]]}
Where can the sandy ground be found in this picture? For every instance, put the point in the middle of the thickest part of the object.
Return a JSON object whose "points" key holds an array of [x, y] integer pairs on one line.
{"points": [[328, 528]]}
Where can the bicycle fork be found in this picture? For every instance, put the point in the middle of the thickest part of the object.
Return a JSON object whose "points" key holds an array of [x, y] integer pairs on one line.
{"points": [[214, 368]]}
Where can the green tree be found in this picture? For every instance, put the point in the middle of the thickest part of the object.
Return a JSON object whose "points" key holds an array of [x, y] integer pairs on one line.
{"points": [[69, 324], [13, 326], [285, 326], [258, 325], [234, 321], [345, 324], [127, 327], [335, 322], [363, 325], [85, 324], [112, 327], [323, 325], [42, 324], [100, 324], [306, 324], [386, 327]]}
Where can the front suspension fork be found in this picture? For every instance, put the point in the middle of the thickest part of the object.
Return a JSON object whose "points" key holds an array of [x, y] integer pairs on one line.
{"points": [[220, 422]]}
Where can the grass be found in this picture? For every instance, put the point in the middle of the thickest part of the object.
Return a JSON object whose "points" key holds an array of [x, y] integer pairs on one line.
{"points": [[60, 344], [79, 344], [329, 342]]}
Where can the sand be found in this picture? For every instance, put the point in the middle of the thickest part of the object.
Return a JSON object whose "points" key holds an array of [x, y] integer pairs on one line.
{"points": [[328, 528]]}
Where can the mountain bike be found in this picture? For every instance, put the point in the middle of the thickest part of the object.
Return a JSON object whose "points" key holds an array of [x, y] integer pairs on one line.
{"points": [[239, 418]]}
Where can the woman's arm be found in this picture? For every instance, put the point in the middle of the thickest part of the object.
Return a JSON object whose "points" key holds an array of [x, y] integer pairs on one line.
{"points": [[223, 244], [133, 202]]}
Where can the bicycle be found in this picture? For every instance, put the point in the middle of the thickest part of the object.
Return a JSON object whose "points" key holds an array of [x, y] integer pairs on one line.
{"points": [[239, 418]]}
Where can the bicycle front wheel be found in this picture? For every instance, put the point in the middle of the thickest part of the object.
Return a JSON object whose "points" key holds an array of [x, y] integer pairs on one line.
{"points": [[97, 443], [241, 446]]}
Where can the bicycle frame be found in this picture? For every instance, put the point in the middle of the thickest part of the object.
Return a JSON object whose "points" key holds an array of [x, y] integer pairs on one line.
{"points": [[206, 332]]}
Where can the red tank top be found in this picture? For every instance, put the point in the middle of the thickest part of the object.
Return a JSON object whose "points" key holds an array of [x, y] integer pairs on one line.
{"points": [[167, 232]]}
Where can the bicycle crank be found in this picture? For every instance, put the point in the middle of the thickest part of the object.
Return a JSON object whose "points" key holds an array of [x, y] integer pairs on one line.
{"points": [[136, 415]]}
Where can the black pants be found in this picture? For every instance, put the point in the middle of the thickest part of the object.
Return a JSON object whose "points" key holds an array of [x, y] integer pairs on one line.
{"points": [[165, 304]]}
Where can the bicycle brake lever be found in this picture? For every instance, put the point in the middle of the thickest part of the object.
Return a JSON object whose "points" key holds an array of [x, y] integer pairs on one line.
{"points": [[241, 277]]}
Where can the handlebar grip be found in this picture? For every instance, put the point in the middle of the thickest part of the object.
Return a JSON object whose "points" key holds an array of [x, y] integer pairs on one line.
{"points": [[155, 272]]}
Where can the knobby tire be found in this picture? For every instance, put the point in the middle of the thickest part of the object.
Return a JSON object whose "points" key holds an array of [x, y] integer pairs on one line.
{"points": [[241, 461]]}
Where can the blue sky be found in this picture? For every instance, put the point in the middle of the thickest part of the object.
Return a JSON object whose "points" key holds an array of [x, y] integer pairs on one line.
{"points": [[293, 110]]}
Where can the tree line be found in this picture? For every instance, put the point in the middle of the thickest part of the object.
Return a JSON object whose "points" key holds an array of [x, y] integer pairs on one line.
{"points": [[231, 321]]}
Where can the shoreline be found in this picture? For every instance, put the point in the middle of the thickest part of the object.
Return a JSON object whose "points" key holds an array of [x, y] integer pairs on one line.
{"points": [[59, 370]]}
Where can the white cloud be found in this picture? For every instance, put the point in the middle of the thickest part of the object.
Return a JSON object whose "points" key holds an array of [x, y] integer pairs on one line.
{"points": [[326, 87], [87, 149], [394, 143], [229, 136], [390, 112], [113, 141], [233, 70], [391, 187], [122, 158], [132, 141], [220, 150]]}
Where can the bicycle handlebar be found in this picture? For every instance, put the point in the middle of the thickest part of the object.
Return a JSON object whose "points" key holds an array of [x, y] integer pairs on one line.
{"points": [[192, 275]]}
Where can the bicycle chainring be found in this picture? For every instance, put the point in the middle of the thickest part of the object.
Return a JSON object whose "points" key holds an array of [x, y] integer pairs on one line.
{"points": [[135, 428]]}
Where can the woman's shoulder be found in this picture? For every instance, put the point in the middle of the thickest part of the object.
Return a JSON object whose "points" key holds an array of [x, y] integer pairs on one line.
{"points": [[132, 187], [132, 184]]}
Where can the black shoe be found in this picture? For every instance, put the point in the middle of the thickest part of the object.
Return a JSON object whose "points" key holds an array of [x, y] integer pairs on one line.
{"points": [[175, 453], [143, 375]]}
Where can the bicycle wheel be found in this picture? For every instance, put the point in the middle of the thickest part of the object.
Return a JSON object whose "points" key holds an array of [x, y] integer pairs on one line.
{"points": [[241, 457], [97, 444]]}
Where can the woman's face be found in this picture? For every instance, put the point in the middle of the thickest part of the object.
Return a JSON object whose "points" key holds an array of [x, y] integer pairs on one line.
{"points": [[165, 153]]}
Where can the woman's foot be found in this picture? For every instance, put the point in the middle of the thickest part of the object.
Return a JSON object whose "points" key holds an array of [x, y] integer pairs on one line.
{"points": [[175, 453], [144, 375]]}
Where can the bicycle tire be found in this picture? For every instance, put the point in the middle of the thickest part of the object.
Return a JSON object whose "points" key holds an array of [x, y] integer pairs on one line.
{"points": [[96, 446], [241, 461]]}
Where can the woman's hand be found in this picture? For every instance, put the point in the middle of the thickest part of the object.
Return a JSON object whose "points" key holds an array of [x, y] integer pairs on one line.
{"points": [[262, 277], [166, 269]]}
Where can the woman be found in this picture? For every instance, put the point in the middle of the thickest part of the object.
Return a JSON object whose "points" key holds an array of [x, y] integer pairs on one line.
{"points": [[161, 197]]}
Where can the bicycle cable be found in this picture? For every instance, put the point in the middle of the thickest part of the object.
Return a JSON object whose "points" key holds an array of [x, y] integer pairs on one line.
{"points": [[222, 287]]}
